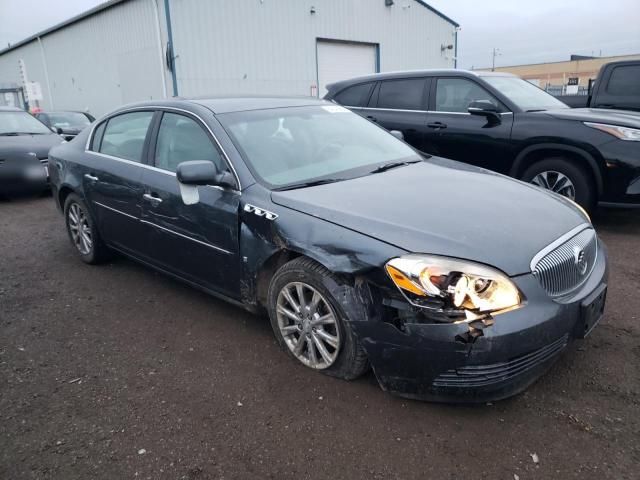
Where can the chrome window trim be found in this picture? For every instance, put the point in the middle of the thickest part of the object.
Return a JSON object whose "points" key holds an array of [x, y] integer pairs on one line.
{"points": [[164, 228], [414, 111], [143, 108], [556, 243]]}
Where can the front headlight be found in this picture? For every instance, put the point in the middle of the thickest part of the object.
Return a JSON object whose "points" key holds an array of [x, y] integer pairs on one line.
{"points": [[453, 287], [623, 133]]}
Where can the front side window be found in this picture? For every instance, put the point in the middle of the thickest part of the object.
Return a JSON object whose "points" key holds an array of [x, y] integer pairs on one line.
{"points": [[124, 135], [625, 81], [356, 96], [404, 94], [182, 139], [456, 94], [289, 146], [13, 123]]}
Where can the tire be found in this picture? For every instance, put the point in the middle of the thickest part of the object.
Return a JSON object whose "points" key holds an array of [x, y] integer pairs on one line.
{"points": [[583, 187], [349, 359], [94, 251]]}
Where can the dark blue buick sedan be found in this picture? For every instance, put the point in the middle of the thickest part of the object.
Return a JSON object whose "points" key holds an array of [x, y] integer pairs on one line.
{"points": [[453, 283]]}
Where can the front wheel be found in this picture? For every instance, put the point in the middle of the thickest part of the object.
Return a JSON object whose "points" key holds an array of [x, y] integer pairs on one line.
{"points": [[309, 323], [563, 177]]}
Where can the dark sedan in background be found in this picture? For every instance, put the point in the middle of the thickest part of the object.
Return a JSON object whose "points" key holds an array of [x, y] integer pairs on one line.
{"points": [[501, 122], [453, 283], [66, 123], [24, 152]]}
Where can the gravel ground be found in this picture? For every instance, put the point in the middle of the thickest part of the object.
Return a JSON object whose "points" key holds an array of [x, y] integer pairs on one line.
{"points": [[118, 372]]}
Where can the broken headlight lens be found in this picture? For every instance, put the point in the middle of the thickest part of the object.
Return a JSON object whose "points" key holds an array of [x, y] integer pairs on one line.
{"points": [[454, 287]]}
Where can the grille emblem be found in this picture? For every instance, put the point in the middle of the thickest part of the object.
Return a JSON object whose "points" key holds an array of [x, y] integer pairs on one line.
{"points": [[580, 259]]}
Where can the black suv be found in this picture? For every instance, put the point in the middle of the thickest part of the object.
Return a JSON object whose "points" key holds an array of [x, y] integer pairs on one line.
{"points": [[501, 122]]}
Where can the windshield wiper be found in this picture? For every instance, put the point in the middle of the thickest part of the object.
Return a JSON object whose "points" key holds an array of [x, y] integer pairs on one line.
{"points": [[537, 110], [312, 183], [389, 166]]}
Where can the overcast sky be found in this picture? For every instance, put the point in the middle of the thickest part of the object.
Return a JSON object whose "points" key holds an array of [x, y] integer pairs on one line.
{"points": [[525, 31]]}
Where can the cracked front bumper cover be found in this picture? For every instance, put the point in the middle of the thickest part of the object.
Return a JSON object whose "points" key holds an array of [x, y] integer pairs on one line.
{"points": [[428, 361]]}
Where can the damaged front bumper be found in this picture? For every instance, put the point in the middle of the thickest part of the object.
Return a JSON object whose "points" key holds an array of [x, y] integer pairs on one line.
{"points": [[439, 362]]}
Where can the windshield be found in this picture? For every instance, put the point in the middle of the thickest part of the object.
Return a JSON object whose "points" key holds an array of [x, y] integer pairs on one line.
{"points": [[68, 120], [21, 123], [524, 94], [290, 146]]}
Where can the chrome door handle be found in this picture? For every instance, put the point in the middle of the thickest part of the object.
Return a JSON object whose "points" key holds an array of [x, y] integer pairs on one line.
{"points": [[90, 177], [150, 198]]}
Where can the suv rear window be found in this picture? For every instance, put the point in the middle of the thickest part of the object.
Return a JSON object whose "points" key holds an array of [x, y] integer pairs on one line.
{"points": [[625, 81], [407, 94], [356, 96]]}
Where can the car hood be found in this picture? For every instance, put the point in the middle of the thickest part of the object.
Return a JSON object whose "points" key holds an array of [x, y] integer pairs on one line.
{"points": [[443, 207], [599, 115], [25, 144]]}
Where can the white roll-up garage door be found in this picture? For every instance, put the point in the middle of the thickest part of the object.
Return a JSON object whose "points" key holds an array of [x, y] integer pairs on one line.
{"points": [[342, 60]]}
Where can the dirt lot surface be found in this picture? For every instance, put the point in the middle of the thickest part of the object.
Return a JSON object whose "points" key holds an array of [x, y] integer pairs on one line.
{"points": [[118, 372]]}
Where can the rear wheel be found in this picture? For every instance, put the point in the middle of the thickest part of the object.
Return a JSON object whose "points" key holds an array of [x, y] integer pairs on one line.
{"points": [[309, 323], [82, 231], [563, 177]]}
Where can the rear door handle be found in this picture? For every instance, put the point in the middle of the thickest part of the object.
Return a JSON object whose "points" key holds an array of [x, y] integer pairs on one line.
{"points": [[150, 198], [372, 118], [437, 125], [90, 177]]}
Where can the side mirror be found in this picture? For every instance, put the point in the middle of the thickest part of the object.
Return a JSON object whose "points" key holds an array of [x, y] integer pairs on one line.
{"points": [[398, 134], [487, 109], [196, 173]]}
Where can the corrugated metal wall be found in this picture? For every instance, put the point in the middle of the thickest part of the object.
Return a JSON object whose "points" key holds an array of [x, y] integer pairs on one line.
{"points": [[115, 56], [103, 61], [269, 46]]}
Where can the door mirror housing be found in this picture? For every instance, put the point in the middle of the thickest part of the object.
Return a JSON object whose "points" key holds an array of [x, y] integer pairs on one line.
{"points": [[196, 173], [398, 134], [485, 108]]}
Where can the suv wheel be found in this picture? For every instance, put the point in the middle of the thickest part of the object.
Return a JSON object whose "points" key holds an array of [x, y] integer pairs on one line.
{"points": [[82, 231], [309, 323], [563, 177]]}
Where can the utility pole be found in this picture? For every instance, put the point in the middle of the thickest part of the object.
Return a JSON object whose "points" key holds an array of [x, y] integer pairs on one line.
{"points": [[496, 52]]}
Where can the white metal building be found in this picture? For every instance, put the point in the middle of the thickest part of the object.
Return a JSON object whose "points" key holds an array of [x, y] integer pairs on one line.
{"points": [[129, 50]]}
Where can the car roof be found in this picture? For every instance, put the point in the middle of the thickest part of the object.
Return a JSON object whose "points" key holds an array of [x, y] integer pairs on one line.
{"points": [[450, 72], [219, 105]]}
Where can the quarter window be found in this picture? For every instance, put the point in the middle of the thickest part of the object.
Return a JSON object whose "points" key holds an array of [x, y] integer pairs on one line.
{"points": [[182, 139], [456, 94], [356, 96], [407, 94], [124, 135]]}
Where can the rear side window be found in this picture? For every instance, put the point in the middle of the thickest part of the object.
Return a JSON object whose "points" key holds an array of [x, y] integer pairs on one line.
{"points": [[625, 81], [97, 137], [405, 94], [124, 135], [356, 96], [180, 139]]}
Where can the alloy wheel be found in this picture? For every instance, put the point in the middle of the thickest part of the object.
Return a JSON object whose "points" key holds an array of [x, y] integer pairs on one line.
{"points": [[556, 182], [80, 229], [308, 325]]}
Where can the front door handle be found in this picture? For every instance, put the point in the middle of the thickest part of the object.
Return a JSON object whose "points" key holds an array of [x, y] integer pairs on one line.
{"points": [[90, 177], [150, 198], [437, 125]]}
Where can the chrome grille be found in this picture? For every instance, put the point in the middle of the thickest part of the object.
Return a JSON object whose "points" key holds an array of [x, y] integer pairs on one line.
{"points": [[567, 263]]}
